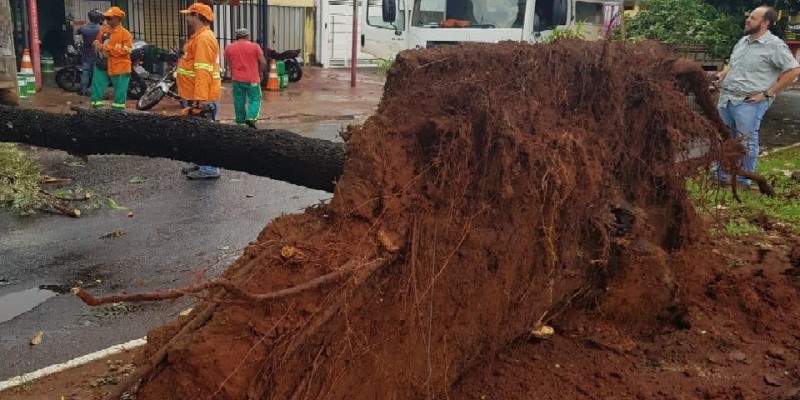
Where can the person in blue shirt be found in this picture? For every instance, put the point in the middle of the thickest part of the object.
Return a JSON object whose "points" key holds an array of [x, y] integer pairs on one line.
{"points": [[88, 34]]}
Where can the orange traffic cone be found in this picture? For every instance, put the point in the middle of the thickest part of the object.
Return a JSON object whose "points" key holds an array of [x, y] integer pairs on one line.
{"points": [[26, 71], [273, 84], [27, 65]]}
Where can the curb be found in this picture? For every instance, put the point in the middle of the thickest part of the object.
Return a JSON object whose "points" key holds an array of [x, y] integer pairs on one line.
{"points": [[75, 362]]}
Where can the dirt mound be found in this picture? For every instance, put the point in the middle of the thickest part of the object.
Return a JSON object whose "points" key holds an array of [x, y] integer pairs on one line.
{"points": [[497, 189]]}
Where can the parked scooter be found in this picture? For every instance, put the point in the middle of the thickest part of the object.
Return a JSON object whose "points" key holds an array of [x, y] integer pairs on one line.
{"points": [[166, 86], [69, 77], [291, 60]]}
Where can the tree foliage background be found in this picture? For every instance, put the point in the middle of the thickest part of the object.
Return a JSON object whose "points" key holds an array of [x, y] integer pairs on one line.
{"points": [[686, 22], [741, 6]]}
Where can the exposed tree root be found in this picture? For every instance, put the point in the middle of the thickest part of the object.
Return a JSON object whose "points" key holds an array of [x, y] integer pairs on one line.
{"points": [[141, 372], [221, 283], [360, 276], [763, 186], [360, 269]]}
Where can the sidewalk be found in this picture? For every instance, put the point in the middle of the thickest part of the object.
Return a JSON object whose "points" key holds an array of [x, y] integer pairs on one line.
{"points": [[87, 382], [321, 97]]}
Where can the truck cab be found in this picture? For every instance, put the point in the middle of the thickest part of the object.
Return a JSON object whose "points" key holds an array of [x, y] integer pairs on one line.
{"points": [[390, 26]]}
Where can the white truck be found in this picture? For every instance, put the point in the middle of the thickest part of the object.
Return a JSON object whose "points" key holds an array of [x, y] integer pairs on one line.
{"points": [[390, 26]]}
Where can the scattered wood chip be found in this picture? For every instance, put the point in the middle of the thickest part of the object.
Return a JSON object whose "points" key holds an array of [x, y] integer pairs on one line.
{"points": [[542, 331], [49, 180], [37, 339], [293, 254], [387, 243], [130, 214], [115, 234]]}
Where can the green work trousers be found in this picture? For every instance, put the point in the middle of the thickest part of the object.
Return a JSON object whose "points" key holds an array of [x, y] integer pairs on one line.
{"points": [[246, 101], [100, 80]]}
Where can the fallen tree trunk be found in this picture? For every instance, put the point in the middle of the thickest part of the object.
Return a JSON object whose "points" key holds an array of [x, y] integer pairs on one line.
{"points": [[273, 153]]}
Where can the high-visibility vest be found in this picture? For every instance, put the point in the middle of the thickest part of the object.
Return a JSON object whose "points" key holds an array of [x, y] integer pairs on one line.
{"points": [[118, 48], [198, 73]]}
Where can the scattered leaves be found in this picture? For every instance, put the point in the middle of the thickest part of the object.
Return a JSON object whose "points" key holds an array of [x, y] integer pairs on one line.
{"points": [[138, 179], [19, 180], [113, 204]]}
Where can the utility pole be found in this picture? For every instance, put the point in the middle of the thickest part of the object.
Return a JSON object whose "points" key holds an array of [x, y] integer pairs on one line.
{"points": [[354, 50]]}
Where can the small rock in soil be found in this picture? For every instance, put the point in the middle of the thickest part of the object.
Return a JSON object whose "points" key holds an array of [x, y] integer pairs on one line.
{"points": [[771, 380], [715, 359], [738, 356], [777, 353]]}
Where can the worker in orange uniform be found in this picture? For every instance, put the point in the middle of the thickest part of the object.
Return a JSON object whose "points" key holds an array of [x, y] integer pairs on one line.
{"points": [[113, 63], [198, 74]]}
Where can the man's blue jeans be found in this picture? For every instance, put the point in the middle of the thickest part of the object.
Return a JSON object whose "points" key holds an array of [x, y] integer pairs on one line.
{"points": [[87, 66], [744, 120], [207, 169]]}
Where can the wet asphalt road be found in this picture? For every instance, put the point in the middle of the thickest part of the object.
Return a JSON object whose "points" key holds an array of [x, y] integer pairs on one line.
{"points": [[781, 125], [179, 230]]}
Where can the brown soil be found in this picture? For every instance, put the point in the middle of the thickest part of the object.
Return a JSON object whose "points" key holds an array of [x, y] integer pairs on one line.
{"points": [[509, 187], [87, 382]]}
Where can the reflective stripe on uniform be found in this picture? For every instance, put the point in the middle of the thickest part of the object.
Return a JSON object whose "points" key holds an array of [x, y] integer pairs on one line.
{"points": [[128, 49], [186, 72], [97, 103], [216, 75], [204, 66], [118, 105]]}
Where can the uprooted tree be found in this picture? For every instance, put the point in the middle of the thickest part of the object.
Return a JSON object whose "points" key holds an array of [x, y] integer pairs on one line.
{"points": [[496, 187]]}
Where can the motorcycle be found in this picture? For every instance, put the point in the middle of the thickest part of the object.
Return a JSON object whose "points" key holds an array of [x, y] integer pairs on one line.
{"points": [[69, 77], [291, 60], [166, 86]]}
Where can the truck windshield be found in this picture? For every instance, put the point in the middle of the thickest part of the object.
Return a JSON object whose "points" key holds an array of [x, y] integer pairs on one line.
{"points": [[469, 13]]}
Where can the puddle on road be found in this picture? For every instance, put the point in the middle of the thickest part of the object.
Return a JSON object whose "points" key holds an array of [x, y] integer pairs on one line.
{"points": [[14, 304]]}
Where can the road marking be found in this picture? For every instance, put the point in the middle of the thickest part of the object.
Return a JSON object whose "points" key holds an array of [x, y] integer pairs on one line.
{"points": [[75, 362]]}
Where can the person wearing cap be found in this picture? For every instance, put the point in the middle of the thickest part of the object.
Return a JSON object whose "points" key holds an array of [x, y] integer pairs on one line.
{"points": [[247, 63], [113, 46], [198, 74]]}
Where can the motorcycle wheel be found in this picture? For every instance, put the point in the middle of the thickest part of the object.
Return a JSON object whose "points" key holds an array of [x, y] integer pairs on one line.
{"points": [[294, 70], [137, 87], [150, 98], [69, 79]]}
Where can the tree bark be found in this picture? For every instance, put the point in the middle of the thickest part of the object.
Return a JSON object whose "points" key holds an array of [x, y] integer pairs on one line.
{"points": [[273, 153]]}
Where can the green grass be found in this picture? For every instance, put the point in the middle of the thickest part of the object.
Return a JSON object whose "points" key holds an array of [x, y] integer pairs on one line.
{"points": [[749, 216]]}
